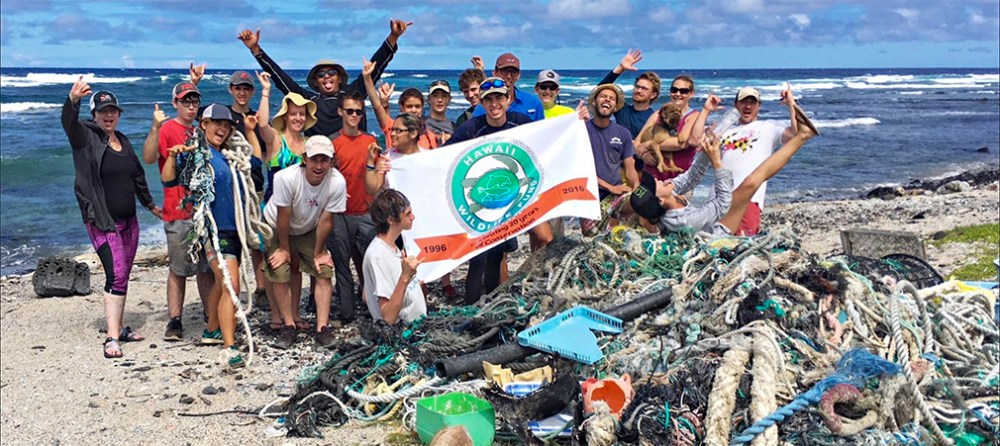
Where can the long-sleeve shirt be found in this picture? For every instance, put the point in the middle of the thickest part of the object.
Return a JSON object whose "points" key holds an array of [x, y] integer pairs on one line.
{"points": [[328, 120], [89, 143], [705, 218], [628, 116]]}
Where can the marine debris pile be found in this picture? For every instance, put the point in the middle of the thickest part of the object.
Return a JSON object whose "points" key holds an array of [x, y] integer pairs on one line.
{"points": [[733, 341]]}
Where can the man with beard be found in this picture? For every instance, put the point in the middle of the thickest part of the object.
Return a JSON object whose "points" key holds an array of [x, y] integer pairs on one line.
{"points": [[327, 79], [610, 142]]}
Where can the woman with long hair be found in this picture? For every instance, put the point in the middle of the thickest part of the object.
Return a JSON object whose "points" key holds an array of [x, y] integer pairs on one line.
{"points": [[215, 167], [679, 148]]}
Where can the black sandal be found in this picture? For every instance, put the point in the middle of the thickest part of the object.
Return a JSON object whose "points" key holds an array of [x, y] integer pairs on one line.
{"points": [[128, 335], [115, 348]]}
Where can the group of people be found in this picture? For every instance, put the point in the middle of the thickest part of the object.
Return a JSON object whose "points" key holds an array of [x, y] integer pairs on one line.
{"points": [[251, 200]]}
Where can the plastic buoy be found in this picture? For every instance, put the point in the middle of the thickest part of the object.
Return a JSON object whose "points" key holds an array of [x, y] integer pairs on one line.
{"points": [[617, 393]]}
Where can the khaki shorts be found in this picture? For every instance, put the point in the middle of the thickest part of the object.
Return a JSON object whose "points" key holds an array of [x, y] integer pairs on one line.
{"points": [[304, 245], [178, 243]]}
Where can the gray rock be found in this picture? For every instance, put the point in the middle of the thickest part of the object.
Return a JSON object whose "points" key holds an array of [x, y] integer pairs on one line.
{"points": [[186, 399], [60, 276], [209, 390]]}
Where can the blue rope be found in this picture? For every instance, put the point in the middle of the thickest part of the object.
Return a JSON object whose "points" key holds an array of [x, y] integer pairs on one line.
{"points": [[855, 367]]}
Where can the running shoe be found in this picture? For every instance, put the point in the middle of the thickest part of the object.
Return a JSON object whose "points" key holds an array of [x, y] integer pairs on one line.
{"points": [[286, 338], [213, 337]]}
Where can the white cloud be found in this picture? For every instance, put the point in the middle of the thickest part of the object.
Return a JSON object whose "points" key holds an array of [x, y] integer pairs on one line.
{"points": [[744, 6], [801, 20], [127, 61], [661, 15], [588, 9], [907, 13], [976, 19]]}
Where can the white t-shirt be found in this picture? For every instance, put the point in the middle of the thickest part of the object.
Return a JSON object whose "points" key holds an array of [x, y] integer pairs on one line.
{"points": [[394, 155], [744, 147], [308, 202], [382, 269]]}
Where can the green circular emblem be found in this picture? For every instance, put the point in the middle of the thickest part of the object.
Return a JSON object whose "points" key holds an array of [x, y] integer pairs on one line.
{"points": [[492, 182]]}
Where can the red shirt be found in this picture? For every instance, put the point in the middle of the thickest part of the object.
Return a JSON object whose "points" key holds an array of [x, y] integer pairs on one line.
{"points": [[173, 133], [352, 156]]}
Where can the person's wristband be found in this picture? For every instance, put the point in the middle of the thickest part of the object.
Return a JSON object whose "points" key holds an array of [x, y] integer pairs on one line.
{"points": [[265, 95], [369, 167]]}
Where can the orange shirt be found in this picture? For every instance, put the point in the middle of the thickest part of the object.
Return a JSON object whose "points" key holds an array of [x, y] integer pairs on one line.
{"points": [[352, 155]]}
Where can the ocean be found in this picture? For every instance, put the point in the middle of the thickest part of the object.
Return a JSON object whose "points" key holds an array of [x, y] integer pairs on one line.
{"points": [[879, 127]]}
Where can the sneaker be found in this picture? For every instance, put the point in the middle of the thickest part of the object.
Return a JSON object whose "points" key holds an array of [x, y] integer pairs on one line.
{"points": [[286, 337], [213, 337], [324, 337], [235, 360], [175, 330]]}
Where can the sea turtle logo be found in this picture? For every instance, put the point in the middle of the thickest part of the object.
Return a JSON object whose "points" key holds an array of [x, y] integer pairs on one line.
{"points": [[491, 182]]}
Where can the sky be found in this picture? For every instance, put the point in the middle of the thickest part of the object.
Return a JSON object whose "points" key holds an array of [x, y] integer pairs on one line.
{"points": [[559, 34]]}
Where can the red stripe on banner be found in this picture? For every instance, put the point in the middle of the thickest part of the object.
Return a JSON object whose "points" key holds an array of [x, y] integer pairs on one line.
{"points": [[455, 246]]}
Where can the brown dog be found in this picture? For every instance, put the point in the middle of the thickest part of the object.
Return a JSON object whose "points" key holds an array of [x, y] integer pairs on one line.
{"points": [[670, 117]]}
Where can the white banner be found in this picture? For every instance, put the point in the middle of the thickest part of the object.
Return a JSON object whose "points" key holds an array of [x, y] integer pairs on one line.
{"points": [[469, 196]]}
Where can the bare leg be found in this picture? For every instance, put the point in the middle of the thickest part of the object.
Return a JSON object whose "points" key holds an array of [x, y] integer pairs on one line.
{"points": [[765, 171], [226, 309], [214, 296], [205, 281], [539, 237], [114, 312], [283, 297], [324, 293], [176, 286]]}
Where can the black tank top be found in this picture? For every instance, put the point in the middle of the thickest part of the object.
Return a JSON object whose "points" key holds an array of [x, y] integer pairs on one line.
{"points": [[118, 173]]}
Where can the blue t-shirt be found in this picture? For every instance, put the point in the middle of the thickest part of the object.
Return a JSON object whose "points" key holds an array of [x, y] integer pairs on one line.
{"points": [[477, 126], [222, 206], [611, 146], [632, 119], [524, 103]]}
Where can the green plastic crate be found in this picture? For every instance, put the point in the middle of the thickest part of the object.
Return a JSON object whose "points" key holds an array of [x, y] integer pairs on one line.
{"points": [[456, 409]]}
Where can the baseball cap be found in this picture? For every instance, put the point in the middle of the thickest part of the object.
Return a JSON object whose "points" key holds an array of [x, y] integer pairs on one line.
{"points": [[185, 88], [318, 145], [747, 92], [241, 78], [644, 201], [440, 84], [217, 112], [508, 60], [103, 99], [492, 85], [548, 76]]}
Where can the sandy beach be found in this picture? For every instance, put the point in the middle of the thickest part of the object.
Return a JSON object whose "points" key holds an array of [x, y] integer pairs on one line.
{"points": [[57, 388]]}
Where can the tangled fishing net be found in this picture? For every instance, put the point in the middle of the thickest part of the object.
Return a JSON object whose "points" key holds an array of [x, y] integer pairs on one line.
{"points": [[761, 343]]}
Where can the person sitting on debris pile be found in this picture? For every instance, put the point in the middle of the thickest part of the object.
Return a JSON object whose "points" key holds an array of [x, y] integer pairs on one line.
{"points": [[391, 291]]}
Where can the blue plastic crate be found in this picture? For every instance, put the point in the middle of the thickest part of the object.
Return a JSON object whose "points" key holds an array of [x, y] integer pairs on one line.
{"points": [[569, 334]]}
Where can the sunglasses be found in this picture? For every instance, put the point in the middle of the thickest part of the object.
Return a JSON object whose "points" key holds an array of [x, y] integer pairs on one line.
{"points": [[353, 111], [439, 82], [489, 85], [548, 86], [325, 73], [674, 89]]}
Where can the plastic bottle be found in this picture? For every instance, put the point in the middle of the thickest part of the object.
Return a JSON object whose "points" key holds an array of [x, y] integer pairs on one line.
{"points": [[726, 122]]}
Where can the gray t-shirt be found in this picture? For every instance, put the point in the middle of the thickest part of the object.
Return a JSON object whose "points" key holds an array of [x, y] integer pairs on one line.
{"points": [[439, 127], [382, 269], [705, 218]]}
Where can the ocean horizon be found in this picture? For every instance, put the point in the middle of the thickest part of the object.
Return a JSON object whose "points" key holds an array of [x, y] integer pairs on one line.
{"points": [[879, 126]]}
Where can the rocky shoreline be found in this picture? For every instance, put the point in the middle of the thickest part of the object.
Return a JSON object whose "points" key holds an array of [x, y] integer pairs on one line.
{"points": [[58, 389]]}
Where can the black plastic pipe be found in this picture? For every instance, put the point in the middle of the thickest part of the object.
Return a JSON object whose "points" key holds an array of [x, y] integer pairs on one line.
{"points": [[503, 354]]}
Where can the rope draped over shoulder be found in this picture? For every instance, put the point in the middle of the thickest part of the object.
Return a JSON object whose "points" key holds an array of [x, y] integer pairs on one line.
{"points": [[197, 174]]}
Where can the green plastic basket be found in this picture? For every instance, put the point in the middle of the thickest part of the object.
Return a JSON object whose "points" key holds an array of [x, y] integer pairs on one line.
{"points": [[456, 409]]}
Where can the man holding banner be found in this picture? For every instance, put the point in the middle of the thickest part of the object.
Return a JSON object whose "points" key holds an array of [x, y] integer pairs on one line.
{"points": [[500, 178]]}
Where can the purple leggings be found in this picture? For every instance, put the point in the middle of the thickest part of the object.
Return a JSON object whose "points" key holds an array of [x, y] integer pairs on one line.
{"points": [[116, 249]]}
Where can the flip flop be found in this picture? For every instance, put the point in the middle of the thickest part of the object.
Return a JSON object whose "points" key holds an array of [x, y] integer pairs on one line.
{"points": [[802, 118], [302, 325], [128, 335], [115, 349]]}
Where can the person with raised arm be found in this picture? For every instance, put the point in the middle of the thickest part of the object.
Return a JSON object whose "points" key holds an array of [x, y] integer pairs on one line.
{"points": [[327, 80], [109, 180], [645, 91]]}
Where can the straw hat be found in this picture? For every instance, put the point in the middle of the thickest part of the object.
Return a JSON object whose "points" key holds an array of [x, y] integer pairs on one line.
{"points": [[279, 119], [593, 96]]}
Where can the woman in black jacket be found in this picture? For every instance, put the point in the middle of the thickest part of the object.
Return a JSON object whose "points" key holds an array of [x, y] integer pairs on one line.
{"points": [[109, 178]]}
